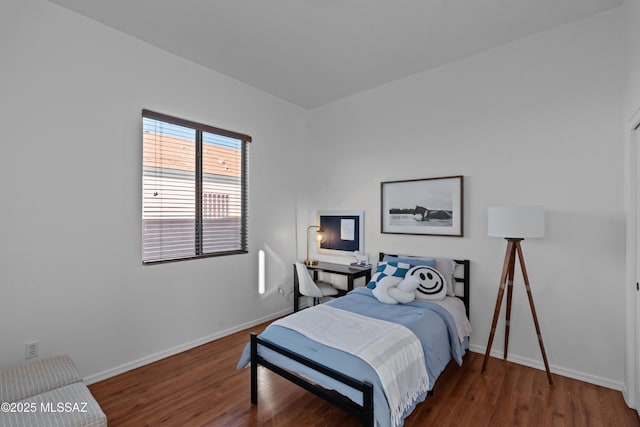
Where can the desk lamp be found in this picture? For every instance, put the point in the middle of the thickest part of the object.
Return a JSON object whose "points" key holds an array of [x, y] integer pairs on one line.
{"points": [[319, 237]]}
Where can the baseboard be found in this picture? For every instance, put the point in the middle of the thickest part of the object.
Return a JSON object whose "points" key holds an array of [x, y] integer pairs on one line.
{"points": [[559, 370], [179, 349]]}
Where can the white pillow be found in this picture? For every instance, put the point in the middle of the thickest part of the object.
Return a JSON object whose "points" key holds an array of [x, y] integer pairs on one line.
{"points": [[381, 290], [447, 267], [432, 287], [405, 292]]}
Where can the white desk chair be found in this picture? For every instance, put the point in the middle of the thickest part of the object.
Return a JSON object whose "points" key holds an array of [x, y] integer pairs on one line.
{"points": [[308, 287]]}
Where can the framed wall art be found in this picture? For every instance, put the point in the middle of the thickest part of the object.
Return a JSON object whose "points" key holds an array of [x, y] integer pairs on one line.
{"points": [[430, 206]]}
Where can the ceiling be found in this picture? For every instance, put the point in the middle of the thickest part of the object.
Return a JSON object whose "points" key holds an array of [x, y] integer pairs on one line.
{"points": [[312, 52]]}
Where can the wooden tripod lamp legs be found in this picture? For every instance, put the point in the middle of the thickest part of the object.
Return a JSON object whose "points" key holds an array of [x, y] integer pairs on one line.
{"points": [[506, 279], [508, 260]]}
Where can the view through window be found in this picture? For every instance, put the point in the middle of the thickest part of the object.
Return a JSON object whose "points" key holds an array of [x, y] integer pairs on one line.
{"points": [[194, 189]]}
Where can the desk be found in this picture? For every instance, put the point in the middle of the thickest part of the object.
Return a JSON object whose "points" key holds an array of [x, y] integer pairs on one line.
{"points": [[329, 267]]}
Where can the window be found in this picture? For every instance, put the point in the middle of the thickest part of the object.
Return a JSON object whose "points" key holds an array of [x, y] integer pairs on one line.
{"points": [[194, 189]]}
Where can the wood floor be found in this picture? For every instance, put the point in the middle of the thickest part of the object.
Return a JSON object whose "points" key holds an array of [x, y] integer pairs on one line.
{"points": [[202, 387]]}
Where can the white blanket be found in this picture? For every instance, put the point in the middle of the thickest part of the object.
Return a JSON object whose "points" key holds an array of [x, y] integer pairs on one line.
{"points": [[392, 350]]}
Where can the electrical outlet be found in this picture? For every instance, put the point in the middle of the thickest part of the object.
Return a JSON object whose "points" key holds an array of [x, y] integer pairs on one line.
{"points": [[31, 349]]}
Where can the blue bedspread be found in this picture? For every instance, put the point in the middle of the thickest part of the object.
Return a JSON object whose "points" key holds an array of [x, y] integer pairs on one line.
{"points": [[432, 324]]}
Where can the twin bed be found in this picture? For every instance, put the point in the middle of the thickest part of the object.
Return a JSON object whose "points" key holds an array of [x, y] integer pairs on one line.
{"points": [[315, 348]]}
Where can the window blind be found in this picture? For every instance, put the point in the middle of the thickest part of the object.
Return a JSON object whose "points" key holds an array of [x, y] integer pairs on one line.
{"points": [[194, 189]]}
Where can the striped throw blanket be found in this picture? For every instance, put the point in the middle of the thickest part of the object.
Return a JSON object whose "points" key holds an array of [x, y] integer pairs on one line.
{"points": [[392, 350]]}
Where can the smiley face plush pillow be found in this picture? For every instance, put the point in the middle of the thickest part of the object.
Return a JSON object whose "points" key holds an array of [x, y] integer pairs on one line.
{"points": [[432, 285]]}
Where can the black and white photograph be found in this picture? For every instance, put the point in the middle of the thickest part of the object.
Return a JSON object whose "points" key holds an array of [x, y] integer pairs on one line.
{"points": [[430, 206]]}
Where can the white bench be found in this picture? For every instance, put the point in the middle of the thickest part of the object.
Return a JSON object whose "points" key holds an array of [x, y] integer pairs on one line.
{"points": [[47, 392]]}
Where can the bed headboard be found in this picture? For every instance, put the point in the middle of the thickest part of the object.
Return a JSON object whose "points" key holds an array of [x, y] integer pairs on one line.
{"points": [[461, 276]]}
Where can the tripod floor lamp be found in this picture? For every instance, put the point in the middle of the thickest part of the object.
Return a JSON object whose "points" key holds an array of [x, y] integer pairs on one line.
{"points": [[514, 224]]}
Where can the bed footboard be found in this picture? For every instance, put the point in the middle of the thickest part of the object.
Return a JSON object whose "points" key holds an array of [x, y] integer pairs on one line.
{"points": [[364, 412]]}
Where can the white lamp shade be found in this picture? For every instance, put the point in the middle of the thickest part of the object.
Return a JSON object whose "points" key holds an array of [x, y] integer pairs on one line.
{"points": [[515, 221]]}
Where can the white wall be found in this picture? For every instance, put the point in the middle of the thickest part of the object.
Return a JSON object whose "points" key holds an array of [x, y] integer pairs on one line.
{"points": [[532, 122], [631, 118], [71, 93], [632, 13]]}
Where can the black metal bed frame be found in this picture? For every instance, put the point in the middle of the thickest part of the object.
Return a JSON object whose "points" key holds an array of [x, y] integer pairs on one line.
{"points": [[365, 411]]}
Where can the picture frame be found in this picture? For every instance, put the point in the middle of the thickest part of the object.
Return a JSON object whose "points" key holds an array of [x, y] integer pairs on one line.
{"points": [[428, 206]]}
